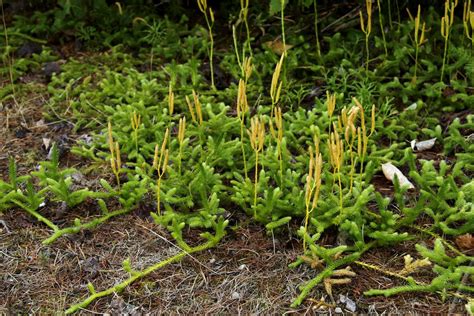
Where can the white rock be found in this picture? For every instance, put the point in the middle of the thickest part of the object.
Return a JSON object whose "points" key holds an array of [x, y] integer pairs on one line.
{"points": [[235, 296], [350, 305]]}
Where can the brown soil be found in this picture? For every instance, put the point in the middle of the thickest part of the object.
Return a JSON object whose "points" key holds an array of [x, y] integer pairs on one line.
{"points": [[247, 273]]}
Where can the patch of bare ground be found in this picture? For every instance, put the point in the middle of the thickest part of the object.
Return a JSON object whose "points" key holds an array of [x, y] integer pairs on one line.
{"points": [[246, 274]]}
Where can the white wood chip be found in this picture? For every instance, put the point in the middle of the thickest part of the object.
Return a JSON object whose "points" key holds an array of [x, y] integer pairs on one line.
{"points": [[423, 145], [390, 171]]}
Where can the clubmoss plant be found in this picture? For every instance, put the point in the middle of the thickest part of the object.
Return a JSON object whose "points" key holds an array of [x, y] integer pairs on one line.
{"points": [[195, 108], [160, 164], [191, 109], [336, 155], [275, 88], [244, 10], [209, 17], [257, 139], [446, 25], [450, 271], [170, 106], [350, 134], [181, 134], [282, 17], [468, 22], [242, 110], [115, 159], [279, 139], [419, 38], [333, 261], [363, 138], [330, 105], [313, 184], [136, 121]]}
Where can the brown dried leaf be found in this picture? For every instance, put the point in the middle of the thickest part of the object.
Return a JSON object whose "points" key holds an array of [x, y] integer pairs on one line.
{"points": [[465, 242], [277, 46]]}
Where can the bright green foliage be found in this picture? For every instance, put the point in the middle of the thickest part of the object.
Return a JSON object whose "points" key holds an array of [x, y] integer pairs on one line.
{"points": [[203, 179], [451, 272]]}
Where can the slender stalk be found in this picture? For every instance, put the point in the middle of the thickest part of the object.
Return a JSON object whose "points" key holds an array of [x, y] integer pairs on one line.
{"points": [[243, 148], [160, 163], [446, 24], [256, 186], [313, 184], [351, 153], [236, 49], [181, 133], [242, 108], [211, 51], [316, 31], [282, 16], [202, 4], [280, 158], [180, 154], [381, 28], [445, 54], [158, 196], [244, 9], [257, 138], [279, 140], [340, 189], [390, 15], [367, 29], [367, 51]]}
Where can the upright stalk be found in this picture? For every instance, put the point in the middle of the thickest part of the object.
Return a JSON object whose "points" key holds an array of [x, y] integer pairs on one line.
{"points": [[244, 9], [367, 29], [135, 120], [115, 159], [468, 23], [242, 109], [279, 140], [257, 138], [202, 4], [313, 184], [316, 30], [282, 16], [181, 132], [160, 164], [381, 27], [446, 24], [418, 40]]}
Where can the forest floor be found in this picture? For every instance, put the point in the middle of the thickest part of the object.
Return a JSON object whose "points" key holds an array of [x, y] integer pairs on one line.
{"points": [[246, 274]]}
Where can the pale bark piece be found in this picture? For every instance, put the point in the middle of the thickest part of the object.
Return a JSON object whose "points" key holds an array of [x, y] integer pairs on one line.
{"points": [[46, 143], [390, 171], [423, 145]]}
